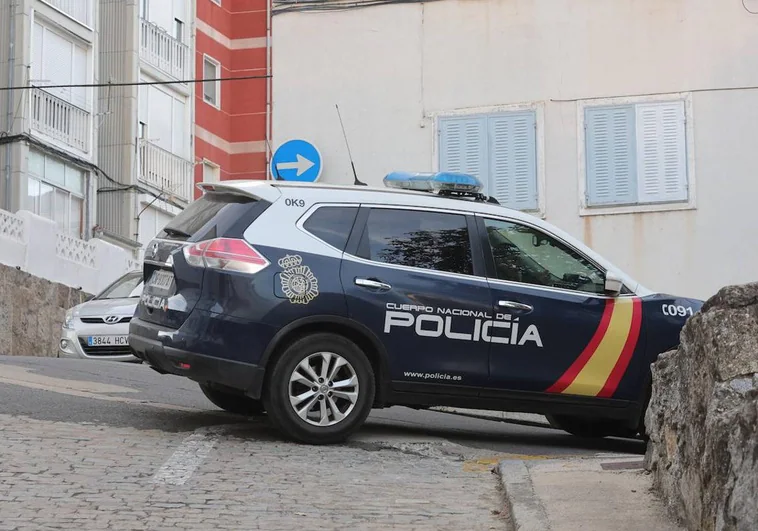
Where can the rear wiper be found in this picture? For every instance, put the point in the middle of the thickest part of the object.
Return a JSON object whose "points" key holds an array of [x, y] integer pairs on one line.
{"points": [[176, 232]]}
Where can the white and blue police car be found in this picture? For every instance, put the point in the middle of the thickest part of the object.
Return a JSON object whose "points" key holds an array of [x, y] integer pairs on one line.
{"points": [[317, 303]]}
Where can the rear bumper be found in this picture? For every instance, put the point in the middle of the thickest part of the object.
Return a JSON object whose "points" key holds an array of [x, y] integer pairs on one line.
{"points": [[162, 349]]}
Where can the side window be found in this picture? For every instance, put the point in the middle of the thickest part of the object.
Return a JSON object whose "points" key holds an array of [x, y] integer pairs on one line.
{"points": [[415, 238], [332, 224], [527, 255]]}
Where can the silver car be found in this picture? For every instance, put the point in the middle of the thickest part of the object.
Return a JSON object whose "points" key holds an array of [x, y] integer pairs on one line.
{"points": [[99, 328]]}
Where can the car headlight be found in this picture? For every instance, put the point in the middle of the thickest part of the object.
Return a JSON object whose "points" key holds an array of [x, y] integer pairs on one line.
{"points": [[68, 321]]}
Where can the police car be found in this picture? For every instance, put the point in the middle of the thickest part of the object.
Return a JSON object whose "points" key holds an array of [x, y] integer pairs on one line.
{"points": [[317, 303]]}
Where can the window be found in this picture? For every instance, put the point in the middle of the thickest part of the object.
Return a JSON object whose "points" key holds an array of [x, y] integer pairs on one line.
{"points": [[211, 172], [527, 255], [57, 60], [211, 89], [163, 120], [178, 30], [636, 154], [217, 2], [428, 240], [127, 286], [332, 224], [499, 149], [56, 191]]}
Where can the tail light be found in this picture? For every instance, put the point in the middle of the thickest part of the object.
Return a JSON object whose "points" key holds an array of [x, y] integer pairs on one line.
{"points": [[227, 254]]}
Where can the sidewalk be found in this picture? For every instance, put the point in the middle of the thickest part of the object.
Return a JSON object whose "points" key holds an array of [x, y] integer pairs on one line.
{"points": [[593, 494]]}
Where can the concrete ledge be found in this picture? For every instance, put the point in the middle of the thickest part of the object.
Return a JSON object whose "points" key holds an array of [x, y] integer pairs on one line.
{"points": [[604, 492]]}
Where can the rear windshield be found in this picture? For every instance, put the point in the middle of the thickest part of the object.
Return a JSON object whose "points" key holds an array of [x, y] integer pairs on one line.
{"points": [[200, 220], [130, 285]]}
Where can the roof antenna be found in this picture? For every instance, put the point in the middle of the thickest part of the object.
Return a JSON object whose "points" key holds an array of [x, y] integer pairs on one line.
{"points": [[355, 175], [272, 168]]}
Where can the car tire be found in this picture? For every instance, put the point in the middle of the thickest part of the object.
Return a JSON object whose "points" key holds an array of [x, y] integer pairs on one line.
{"points": [[323, 405], [588, 428], [236, 403]]}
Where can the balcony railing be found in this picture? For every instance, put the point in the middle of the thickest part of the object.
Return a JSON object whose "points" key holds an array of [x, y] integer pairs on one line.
{"points": [[61, 120], [165, 171], [159, 49], [80, 10]]}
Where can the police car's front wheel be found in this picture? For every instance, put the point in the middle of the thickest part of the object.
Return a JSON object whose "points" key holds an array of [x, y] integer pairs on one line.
{"points": [[321, 389]]}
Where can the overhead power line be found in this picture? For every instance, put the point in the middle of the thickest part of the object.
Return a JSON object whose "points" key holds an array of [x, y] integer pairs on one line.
{"points": [[134, 83]]}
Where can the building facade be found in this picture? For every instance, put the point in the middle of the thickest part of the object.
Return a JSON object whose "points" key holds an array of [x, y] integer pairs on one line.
{"points": [[48, 127], [630, 124], [146, 117], [231, 117]]}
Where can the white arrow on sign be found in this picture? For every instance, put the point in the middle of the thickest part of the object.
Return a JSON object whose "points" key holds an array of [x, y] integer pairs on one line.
{"points": [[302, 165]]}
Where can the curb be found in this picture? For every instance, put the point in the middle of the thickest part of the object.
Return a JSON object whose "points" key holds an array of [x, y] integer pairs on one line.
{"points": [[526, 510]]}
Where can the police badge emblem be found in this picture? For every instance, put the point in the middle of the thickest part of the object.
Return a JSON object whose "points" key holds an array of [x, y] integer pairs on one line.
{"points": [[299, 284]]}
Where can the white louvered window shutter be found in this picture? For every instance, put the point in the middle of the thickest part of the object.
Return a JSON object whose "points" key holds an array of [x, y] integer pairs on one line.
{"points": [[513, 160], [37, 45], [610, 155], [463, 146], [79, 95], [57, 60], [661, 152], [179, 130]]}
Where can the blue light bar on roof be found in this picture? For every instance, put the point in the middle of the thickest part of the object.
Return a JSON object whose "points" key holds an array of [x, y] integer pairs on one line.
{"points": [[434, 182]]}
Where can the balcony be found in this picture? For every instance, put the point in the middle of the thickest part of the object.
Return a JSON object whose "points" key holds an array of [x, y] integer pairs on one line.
{"points": [[60, 120], [79, 10], [162, 51], [165, 171]]}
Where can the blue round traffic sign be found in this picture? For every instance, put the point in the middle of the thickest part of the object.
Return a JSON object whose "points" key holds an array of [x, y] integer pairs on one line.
{"points": [[296, 160]]}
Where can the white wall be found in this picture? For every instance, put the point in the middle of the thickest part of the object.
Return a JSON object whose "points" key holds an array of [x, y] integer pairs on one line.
{"points": [[394, 69], [34, 245]]}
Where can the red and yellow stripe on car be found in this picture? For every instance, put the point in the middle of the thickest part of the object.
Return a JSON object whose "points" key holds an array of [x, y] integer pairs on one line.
{"points": [[603, 362]]}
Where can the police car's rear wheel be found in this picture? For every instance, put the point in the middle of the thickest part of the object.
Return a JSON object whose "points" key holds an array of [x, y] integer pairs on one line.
{"points": [[233, 402], [321, 389]]}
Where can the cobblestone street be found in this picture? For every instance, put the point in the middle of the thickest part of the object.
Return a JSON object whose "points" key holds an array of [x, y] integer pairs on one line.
{"points": [[58, 475]]}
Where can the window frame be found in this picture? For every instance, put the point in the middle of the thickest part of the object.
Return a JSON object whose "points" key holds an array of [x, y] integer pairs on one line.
{"points": [[537, 107], [359, 227], [57, 187], [489, 259], [689, 143], [210, 163], [217, 64]]}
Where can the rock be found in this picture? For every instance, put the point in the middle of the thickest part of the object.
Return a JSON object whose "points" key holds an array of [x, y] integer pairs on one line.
{"points": [[703, 416], [32, 310]]}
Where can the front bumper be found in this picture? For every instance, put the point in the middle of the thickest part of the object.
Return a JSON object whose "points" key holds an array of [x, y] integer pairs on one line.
{"points": [[70, 347], [164, 349]]}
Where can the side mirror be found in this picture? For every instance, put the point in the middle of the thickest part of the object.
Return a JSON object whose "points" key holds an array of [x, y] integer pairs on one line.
{"points": [[613, 284]]}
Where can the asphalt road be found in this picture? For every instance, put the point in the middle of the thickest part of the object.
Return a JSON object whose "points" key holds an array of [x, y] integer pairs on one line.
{"points": [[134, 396], [95, 445]]}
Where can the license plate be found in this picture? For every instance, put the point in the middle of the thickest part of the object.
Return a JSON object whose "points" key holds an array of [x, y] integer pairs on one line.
{"points": [[162, 280], [108, 341]]}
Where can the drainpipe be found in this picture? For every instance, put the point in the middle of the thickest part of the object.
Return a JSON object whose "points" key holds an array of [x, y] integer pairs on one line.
{"points": [[9, 103], [269, 97]]}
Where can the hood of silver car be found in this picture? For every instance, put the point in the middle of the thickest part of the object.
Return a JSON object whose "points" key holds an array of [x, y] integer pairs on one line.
{"points": [[105, 307]]}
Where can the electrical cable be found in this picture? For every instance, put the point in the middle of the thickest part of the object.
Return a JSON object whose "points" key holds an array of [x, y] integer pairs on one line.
{"points": [[744, 5], [332, 5], [134, 83]]}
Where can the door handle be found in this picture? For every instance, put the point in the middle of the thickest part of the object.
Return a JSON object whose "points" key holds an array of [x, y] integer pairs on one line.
{"points": [[375, 284], [515, 306]]}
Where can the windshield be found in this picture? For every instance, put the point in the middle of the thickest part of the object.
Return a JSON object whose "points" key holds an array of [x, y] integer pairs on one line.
{"points": [[130, 285]]}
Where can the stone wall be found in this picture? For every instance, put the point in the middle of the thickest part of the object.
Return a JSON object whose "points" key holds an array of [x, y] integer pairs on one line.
{"points": [[31, 313], [703, 416]]}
